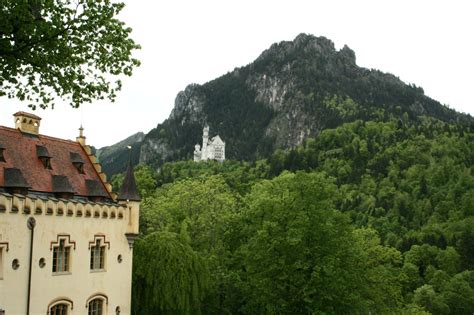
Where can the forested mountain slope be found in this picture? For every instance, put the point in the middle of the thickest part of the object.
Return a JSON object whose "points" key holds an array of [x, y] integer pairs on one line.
{"points": [[291, 92], [114, 158], [369, 217]]}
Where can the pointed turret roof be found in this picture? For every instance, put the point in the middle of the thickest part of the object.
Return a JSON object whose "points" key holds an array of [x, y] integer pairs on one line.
{"points": [[129, 190]]}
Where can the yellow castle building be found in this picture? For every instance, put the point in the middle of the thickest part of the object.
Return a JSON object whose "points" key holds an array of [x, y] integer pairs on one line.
{"points": [[66, 241]]}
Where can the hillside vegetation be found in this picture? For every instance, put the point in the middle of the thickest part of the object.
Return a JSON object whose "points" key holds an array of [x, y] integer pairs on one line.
{"points": [[368, 217], [292, 92]]}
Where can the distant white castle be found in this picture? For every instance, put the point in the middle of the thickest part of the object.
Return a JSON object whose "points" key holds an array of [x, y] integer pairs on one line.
{"points": [[213, 149]]}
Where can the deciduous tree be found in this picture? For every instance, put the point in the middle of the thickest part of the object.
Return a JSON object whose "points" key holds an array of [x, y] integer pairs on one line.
{"points": [[73, 50]]}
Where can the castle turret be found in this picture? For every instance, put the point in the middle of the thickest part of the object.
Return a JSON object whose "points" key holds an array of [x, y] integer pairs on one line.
{"points": [[205, 140], [130, 197], [197, 153]]}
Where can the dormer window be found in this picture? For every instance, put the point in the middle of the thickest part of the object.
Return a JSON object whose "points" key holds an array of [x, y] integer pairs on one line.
{"points": [[77, 162], [96, 191], [15, 182], [44, 156], [2, 157], [46, 162], [80, 167], [62, 188]]}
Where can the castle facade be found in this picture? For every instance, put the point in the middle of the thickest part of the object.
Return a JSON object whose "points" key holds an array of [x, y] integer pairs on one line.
{"points": [[66, 241], [212, 149]]}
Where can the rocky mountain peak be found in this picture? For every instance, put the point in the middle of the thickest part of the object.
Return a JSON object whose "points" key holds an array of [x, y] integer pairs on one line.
{"points": [[188, 103], [348, 54], [292, 91], [305, 46], [307, 43]]}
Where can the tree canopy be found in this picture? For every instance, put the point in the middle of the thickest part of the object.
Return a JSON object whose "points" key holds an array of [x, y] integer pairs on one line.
{"points": [[303, 257], [73, 50], [370, 217]]}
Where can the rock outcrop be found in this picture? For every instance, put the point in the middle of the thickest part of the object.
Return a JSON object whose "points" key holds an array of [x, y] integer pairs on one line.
{"points": [[292, 91]]}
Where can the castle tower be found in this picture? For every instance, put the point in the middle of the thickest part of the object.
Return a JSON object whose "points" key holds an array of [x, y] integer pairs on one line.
{"points": [[205, 141], [197, 153]]}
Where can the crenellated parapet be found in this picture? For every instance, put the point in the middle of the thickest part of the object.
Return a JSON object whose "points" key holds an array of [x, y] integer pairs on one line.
{"points": [[50, 206]]}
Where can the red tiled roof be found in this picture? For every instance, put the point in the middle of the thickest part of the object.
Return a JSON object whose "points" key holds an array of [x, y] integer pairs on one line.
{"points": [[20, 152]]}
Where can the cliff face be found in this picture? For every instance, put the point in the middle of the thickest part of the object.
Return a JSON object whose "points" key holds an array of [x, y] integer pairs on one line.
{"points": [[292, 91]]}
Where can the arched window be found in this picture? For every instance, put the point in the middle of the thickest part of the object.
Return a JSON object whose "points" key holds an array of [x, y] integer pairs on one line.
{"points": [[60, 306], [59, 309], [97, 304], [96, 307]]}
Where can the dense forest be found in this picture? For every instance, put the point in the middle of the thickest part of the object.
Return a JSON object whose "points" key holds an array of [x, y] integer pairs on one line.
{"points": [[371, 217]]}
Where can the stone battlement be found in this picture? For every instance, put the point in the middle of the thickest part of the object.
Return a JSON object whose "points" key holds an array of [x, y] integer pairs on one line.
{"points": [[45, 205]]}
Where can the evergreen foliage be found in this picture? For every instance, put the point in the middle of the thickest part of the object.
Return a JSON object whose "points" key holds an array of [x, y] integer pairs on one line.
{"points": [[372, 216]]}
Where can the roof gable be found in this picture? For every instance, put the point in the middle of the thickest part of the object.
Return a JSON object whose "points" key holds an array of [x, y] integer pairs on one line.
{"points": [[217, 141]]}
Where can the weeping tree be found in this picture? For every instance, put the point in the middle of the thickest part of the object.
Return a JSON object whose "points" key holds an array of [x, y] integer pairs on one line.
{"points": [[168, 276]]}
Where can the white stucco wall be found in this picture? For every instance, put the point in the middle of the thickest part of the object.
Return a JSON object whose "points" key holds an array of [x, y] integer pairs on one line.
{"points": [[80, 283]]}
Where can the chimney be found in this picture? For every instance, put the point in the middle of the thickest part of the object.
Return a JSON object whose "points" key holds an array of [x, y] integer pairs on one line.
{"points": [[27, 122]]}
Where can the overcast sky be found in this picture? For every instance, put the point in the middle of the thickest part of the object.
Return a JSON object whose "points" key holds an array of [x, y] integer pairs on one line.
{"points": [[428, 43]]}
